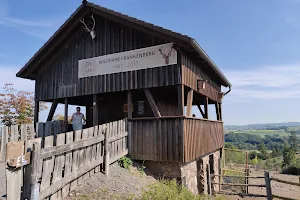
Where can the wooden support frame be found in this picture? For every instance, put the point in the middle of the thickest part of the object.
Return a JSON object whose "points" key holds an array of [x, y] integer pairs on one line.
{"points": [[189, 104], [201, 111], [152, 103], [220, 111], [129, 104], [95, 110], [206, 107], [52, 110], [217, 110], [66, 114], [36, 111], [180, 97]]}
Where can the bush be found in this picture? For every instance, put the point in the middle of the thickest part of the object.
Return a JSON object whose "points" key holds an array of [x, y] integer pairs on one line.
{"points": [[125, 162], [170, 189]]}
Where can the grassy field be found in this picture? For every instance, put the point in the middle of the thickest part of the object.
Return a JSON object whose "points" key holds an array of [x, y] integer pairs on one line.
{"points": [[262, 133]]}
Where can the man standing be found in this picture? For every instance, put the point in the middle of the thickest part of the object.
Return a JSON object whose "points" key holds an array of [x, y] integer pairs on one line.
{"points": [[77, 119]]}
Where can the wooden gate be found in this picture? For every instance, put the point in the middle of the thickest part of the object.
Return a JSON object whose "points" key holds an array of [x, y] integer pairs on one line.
{"points": [[67, 160]]}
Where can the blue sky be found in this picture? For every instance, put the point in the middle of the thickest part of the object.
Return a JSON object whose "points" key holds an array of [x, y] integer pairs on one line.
{"points": [[255, 43]]}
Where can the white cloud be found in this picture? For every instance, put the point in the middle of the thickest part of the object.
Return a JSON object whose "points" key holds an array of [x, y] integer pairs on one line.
{"points": [[271, 82]]}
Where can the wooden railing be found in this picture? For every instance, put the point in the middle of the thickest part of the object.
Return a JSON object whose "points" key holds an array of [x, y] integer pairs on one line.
{"points": [[174, 139], [201, 137]]}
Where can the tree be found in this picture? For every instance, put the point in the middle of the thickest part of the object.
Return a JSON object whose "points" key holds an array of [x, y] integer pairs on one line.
{"points": [[288, 156], [294, 141], [61, 117], [17, 107], [262, 148]]}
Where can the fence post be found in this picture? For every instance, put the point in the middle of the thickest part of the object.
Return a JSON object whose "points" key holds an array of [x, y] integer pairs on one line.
{"points": [[268, 185], [106, 153], [4, 139], [208, 179], [34, 184]]}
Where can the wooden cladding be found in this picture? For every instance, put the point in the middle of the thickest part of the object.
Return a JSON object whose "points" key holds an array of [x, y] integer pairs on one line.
{"points": [[207, 90], [58, 76], [201, 137], [158, 139], [174, 139]]}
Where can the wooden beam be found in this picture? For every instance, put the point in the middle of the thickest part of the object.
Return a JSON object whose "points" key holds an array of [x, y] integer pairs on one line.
{"points": [[152, 103], [180, 91], [220, 111], [217, 110], [36, 111], [129, 104], [189, 104], [52, 110], [95, 110], [66, 114], [201, 111], [206, 107]]}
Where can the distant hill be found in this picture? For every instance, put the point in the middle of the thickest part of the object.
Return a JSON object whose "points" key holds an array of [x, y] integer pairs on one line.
{"points": [[267, 126]]}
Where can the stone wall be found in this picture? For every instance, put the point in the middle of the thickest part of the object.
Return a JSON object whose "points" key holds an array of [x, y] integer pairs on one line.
{"points": [[192, 175]]}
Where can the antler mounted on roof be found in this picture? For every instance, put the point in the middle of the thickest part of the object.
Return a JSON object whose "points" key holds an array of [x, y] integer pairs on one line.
{"points": [[90, 30]]}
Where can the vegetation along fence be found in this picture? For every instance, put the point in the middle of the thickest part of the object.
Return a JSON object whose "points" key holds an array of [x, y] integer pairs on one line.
{"points": [[235, 178], [64, 162]]}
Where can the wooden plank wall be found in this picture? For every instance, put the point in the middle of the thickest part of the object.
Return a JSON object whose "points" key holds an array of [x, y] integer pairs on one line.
{"points": [[201, 137], [158, 139], [209, 91], [199, 70], [58, 77]]}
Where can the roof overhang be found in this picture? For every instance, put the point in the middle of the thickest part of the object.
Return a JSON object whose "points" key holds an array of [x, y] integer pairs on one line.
{"points": [[62, 33]]}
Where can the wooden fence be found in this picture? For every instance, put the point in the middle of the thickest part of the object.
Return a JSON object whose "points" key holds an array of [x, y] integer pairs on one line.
{"points": [[68, 159], [14, 133]]}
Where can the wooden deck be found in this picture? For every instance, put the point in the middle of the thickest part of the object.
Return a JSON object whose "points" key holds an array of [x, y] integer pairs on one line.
{"points": [[174, 139]]}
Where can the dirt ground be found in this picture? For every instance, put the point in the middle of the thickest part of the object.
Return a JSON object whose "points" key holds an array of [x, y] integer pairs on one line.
{"points": [[121, 184]]}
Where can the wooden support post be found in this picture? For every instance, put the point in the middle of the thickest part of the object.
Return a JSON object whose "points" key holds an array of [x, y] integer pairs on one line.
{"points": [[95, 110], [220, 111], [152, 103], [217, 110], [201, 111], [36, 111], [106, 153], [52, 110], [129, 104], [268, 186], [208, 179], [206, 107], [189, 104], [130, 110], [34, 184], [66, 114], [180, 98]]}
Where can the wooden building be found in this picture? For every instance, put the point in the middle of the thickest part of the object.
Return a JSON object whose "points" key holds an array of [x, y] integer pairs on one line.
{"points": [[121, 67]]}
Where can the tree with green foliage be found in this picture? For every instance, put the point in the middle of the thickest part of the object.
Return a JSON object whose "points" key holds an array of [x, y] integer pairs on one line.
{"points": [[294, 141], [262, 148], [288, 156]]}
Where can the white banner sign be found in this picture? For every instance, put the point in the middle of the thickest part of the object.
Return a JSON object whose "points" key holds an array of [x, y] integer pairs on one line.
{"points": [[150, 57]]}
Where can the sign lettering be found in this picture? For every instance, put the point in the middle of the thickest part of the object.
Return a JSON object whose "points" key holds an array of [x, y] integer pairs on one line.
{"points": [[150, 57]]}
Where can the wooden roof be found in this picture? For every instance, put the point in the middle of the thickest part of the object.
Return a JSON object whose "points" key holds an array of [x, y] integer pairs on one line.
{"points": [[186, 42]]}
